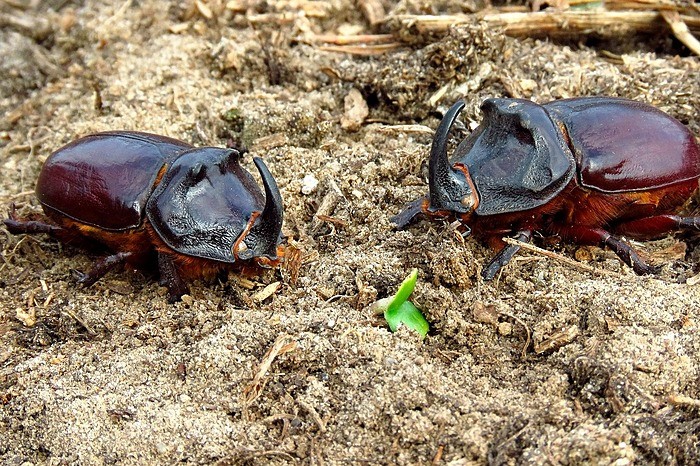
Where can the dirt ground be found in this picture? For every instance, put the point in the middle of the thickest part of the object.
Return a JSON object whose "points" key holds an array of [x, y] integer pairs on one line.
{"points": [[548, 364]]}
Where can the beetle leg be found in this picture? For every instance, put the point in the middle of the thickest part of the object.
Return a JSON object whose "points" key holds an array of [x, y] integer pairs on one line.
{"points": [[629, 256], [170, 277], [31, 227], [409, 214], [598, 236], [657, 226], [101, 268], [504, 256]]}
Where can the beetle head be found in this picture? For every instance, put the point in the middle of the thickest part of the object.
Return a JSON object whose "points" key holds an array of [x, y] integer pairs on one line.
{"points": [[208, 206], [451, 187], [518, 157]]}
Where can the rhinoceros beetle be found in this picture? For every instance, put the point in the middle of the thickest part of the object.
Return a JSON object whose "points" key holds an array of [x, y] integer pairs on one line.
{"points": [[150, 198], [584, 169]]}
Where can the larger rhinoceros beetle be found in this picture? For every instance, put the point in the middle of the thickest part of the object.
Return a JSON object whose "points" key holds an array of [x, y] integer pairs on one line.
{"points": [[584, 169], [150, 198]]}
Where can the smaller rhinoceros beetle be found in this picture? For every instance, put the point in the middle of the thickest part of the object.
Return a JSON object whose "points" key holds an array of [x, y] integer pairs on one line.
{"points": [[150, 198], [583, 169]]}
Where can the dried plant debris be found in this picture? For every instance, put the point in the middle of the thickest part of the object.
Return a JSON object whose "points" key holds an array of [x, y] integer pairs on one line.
{"points": [[551, 362]]}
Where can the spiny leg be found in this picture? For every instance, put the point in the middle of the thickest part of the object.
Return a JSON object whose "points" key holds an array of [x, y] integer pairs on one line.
{"points": [[504, 256], [31, 227], [629, 256], [409, 214], [170, 277], [598, 236], [101, 268]]}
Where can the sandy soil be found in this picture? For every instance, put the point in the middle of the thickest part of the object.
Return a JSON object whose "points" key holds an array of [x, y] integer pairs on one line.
{"points": [[548, 364]]}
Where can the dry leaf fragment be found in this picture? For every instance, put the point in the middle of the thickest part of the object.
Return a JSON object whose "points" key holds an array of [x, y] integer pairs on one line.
{"points": [[266, 292], [557, 340]]}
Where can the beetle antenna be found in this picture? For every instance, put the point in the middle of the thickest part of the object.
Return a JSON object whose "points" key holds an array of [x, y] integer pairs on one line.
{"points": [[268, 226], [447, 185]]}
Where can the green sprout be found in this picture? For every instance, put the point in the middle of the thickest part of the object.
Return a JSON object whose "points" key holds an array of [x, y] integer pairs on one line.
{"points": [[398, 310]]}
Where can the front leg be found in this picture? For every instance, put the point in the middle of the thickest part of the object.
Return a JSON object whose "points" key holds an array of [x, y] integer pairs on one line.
{"points": [[410, 214], [504, 256], [170, 277]]}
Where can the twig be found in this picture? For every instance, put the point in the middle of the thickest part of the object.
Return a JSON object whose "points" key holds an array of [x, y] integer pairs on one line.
{"points": [[553, 255], [35, 27], [684, 401], [528, 337], [420, 129], [364, 50], [681, 31], [350, 39], [567, 23], [314, 415]]}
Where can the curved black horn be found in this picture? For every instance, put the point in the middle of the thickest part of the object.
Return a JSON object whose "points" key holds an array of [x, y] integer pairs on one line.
{"points": [[265, 233], [446, 184]]}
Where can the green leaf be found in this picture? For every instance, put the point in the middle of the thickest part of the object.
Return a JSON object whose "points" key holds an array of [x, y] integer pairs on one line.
{"points": [[404, 291], [410, 316], [398, 310]]}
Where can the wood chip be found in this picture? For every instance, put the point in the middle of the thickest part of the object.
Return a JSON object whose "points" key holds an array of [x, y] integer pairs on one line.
{"points": [[204, 9], [373, 11], [328, 205], [557, 340], [266, 292], [694, 280], [291, 264], [27, 317], [179, 28], [684, 401], [270, 142], [486, 314]]}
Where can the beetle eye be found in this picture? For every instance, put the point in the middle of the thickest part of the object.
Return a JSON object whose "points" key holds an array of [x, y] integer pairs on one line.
{"points": [[466, 201]]}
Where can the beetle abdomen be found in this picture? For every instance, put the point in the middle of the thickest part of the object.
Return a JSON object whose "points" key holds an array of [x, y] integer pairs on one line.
{"points": [[622, 145], [105, 179]]}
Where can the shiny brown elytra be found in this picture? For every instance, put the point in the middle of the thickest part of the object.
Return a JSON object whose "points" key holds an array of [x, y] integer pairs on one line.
{"points": [[584, 169], [194, 211]]}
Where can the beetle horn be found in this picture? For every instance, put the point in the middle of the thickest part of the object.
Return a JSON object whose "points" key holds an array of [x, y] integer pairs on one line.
{"points": [[265, 233], [450, 189]]}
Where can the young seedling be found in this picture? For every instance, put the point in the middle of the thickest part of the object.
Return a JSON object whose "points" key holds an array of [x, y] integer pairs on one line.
{"points": [[398, 310]]}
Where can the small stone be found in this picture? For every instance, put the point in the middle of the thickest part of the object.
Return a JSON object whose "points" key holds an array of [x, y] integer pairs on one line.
{"points": [[187, 299], [505, 328], [356, 111], [309, 184]]}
